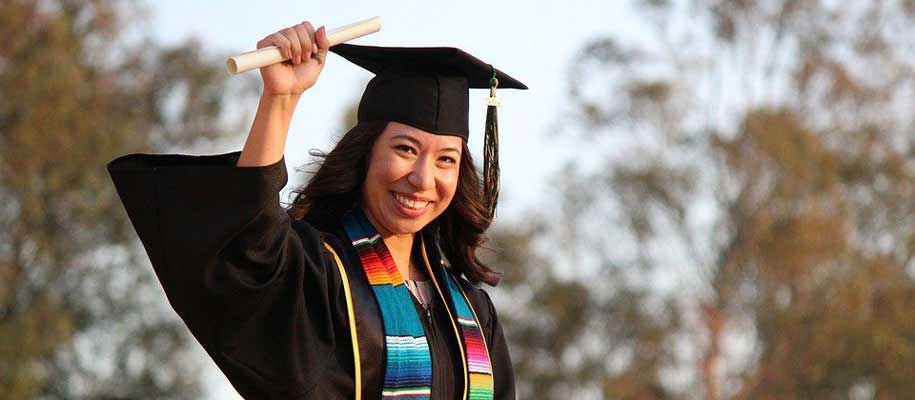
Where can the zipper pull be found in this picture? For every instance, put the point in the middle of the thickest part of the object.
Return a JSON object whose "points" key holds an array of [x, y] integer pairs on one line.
{"points": [[431, 322]]}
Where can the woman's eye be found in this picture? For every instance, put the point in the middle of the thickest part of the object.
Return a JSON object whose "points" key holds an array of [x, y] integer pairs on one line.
{"points": [[405, 148], [448, 160]]}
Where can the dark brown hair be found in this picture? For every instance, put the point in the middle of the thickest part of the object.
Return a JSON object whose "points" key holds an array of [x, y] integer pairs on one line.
{"points": [[336, 187]]}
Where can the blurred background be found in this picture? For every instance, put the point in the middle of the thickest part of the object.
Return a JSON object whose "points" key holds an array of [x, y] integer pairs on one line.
{"points": [[701, 199]]}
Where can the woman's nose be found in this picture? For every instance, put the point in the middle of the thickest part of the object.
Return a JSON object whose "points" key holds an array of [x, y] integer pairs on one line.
{"points": [[423, 175]]}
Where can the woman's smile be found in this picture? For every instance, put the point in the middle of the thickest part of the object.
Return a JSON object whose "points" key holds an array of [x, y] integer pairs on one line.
{"points": [[410, 206]]}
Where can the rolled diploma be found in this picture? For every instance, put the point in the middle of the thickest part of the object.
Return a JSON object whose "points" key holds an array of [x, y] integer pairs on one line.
{"points": [[271, 55]]}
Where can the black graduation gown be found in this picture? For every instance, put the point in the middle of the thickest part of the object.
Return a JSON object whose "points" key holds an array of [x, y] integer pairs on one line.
{"points": [[264, 294]]}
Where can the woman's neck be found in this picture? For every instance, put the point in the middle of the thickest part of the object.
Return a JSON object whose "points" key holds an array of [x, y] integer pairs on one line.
{"points": [[401, 247]]}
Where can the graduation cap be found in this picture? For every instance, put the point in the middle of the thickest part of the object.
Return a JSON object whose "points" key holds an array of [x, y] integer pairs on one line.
{"points": [[428, 88]]}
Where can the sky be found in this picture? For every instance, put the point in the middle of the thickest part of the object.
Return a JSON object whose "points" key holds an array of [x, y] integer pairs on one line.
{"points": [[533, 41]]}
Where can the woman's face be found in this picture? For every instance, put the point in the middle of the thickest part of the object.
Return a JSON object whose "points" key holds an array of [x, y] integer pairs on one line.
{"points": [[411, 179]]}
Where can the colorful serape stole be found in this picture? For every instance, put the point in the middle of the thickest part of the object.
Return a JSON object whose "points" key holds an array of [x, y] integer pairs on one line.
{"points": [[408, 375], [478, 363]]}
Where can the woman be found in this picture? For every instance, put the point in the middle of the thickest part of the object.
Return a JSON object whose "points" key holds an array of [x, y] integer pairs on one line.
{"points": [[349, 293]]}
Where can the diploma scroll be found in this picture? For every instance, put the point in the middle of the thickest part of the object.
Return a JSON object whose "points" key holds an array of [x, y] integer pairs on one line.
{"points": [[271, 55]]}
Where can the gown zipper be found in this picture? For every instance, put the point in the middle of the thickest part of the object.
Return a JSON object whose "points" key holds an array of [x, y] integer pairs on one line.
{"points": [[428, 309], [431, 338]]}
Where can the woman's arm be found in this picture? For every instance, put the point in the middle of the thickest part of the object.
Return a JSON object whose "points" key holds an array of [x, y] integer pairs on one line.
{"points": [[267, 139], [284, 84]]}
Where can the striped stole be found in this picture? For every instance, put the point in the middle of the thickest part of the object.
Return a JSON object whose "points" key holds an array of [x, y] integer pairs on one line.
{"points": [[475, 349], [408, 375], [408, 372]]}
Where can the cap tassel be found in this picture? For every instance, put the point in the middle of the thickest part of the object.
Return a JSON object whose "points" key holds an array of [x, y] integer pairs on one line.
{"points": [[491, 149]]}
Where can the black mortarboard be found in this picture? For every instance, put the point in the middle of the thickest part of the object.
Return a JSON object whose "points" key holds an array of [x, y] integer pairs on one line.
{"points": [[428, 88]]}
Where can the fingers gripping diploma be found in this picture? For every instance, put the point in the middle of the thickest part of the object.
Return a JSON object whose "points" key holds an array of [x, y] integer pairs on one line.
{"points": [[305, 50], [289, 62], [271, 54]]}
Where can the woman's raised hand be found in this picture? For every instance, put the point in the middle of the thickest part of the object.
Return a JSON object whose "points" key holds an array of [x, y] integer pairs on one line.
{"points": [[306, 49]]}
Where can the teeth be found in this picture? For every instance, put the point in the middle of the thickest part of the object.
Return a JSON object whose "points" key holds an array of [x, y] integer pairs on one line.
{"points": [[411, 204]]}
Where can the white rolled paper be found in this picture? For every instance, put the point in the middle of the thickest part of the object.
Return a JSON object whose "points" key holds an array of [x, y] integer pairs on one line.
{"points": [[271, 54]]}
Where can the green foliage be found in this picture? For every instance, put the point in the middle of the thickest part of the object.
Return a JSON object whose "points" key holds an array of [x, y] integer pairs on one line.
{"points": [[751, 231], [80, 313]]}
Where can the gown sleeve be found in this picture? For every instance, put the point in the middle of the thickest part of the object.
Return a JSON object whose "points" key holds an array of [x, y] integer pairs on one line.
{"points": [[255, 292], [503, 375]]}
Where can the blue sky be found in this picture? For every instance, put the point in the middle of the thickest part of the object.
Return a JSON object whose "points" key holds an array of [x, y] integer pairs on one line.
{"points": [[533, 41]]}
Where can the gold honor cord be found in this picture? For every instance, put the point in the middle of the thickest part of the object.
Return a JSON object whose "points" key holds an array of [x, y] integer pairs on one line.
{"points": [[451, 317], [357, 367]]}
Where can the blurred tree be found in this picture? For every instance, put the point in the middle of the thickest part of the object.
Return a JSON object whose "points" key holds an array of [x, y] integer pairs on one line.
{"points": [[80, 313], [570, 336], [741, 224]]}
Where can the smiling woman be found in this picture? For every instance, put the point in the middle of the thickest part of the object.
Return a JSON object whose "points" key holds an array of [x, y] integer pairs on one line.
{"points": [[367, 286], [411, 179]]}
